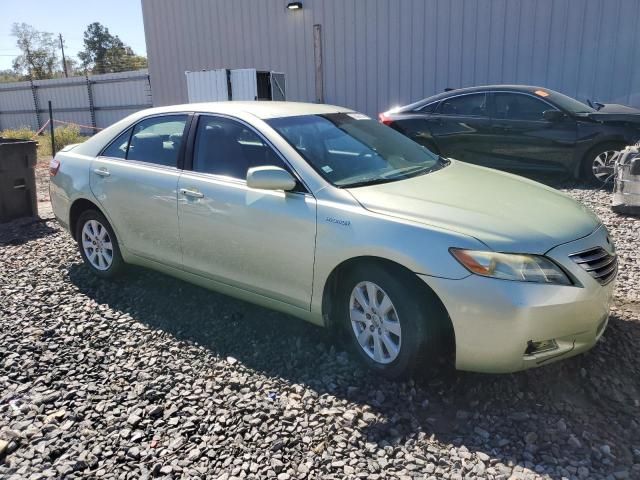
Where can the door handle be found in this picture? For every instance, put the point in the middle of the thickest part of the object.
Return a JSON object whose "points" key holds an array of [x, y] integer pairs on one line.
{"points": [[103, 172], [191, 193]]}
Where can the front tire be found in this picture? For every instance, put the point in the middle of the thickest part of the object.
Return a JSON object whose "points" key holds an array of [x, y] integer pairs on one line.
{"points": [[393, 325], [98, 245], [602, 155]]}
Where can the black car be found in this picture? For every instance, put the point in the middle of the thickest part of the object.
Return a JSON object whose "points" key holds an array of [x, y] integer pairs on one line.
{"points": [[520, 128]]}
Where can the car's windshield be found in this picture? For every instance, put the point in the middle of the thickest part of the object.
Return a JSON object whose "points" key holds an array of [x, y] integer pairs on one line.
{"points": [[350, 149], [569, 104]]}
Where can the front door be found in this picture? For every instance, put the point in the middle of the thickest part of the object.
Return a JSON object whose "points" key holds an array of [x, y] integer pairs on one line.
{"points": [[135, 180], [257, 240], [524, 139]]}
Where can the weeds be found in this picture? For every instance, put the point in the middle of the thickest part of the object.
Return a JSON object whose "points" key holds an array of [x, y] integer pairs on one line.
{"points": [[64, 136]]}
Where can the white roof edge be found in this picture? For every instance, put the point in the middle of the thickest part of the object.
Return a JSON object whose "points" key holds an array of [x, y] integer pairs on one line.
{"points": [[261, 109]]}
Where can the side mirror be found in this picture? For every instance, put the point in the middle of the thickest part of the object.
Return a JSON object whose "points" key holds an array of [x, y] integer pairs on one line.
{"points": [[270, 178], [634, 169], [552, 115]]}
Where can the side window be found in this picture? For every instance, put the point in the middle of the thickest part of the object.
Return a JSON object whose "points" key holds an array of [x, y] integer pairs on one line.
{"points": [[158, 140], [428, 108], [226, 147], [118, 148], [515, 106], [472, 105]]}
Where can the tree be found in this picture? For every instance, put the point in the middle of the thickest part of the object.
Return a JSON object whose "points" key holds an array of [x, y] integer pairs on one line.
{"points": [[39, 57], [9, 76], [106, 53], [73, 67]]}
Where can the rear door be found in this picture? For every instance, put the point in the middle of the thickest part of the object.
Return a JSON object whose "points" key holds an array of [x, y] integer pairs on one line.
{"points": [[135, 180], [461, 128], [258, 240], [523, 139]]}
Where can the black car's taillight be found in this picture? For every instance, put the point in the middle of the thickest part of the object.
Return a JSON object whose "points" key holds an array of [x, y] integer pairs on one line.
{"points": [[384, 119]]}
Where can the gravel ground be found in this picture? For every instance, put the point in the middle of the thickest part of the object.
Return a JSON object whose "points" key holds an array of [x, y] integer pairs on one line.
{"points": [[42, 179], [150, 377]]}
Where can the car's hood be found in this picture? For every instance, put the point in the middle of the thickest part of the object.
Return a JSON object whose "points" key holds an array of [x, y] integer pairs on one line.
{"points": [[612, 112], [617, 108], [506, 212]]}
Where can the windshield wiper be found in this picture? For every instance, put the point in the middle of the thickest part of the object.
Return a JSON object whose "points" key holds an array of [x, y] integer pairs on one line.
{"points": [[366, 182], [403, 171], [407, 172]]}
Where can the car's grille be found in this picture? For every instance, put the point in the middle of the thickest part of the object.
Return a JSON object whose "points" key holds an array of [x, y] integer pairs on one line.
{"points": [[600, 264]]}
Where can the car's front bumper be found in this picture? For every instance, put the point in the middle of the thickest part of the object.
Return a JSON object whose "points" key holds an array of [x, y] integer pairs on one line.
{"points": [[495, 320]]}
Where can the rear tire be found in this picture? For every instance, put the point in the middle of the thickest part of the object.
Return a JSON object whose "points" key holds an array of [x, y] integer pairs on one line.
{"points": [[98, 244], [600, 155], [401, 330]]}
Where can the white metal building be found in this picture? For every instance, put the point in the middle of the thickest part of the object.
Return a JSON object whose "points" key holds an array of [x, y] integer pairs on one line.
{"points": [[373, 54]]}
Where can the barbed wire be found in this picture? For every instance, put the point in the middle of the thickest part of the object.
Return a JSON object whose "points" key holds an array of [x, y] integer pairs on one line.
{"points": [[48, 122]]}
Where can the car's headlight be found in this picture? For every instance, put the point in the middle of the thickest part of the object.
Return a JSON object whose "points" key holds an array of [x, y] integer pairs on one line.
{"points": [[511, 266]]}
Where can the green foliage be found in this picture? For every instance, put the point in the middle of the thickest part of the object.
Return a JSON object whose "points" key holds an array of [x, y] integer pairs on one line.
{"points": [[64, 136], [9, 76], [39, 57], [67, 135], [106, 53], [22, 133]]}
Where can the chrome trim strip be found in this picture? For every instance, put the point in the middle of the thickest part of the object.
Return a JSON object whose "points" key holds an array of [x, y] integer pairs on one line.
{"points": [[597, 262], [601, 264]]}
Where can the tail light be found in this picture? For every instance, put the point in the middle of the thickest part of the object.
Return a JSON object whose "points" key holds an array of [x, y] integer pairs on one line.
{"points": [[385, 119], [54, 166]]}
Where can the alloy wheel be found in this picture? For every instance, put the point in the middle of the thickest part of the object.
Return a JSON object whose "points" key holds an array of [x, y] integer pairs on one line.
{"points": [[604, 159], [375, 322], [96, 244]]}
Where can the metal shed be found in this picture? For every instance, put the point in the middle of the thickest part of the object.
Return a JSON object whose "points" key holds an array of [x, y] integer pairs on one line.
{"points": [[239, 84]]}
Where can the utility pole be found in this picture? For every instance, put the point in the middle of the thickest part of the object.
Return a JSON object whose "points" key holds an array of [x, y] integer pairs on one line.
{"points": [[64, 60]]}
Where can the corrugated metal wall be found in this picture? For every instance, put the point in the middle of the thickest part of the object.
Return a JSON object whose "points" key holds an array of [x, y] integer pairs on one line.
{"points": [[113, 96], [378, 53]]}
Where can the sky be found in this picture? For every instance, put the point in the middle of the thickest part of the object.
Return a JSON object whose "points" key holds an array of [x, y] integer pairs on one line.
{"points": [[71, 18]]}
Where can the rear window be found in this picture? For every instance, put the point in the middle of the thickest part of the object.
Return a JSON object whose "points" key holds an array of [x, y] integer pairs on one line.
{"points": [[156, 140], [118, 148], [471, 105], [428, 108]]}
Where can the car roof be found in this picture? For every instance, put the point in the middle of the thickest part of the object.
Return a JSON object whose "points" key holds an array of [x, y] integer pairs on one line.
{"points": [[459, 91], [260, 109]]}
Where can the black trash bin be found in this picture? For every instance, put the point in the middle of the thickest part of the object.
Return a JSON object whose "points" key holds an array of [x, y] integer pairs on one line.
{"points": [[17, 179]]}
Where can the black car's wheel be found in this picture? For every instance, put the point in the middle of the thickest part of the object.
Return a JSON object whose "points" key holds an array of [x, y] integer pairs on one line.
{"points": [[598, 163], [98, 244], [392, 325]]}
